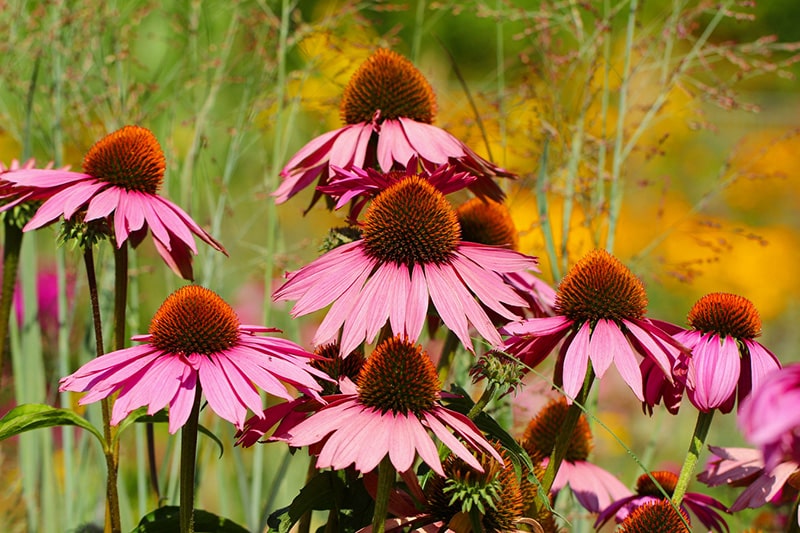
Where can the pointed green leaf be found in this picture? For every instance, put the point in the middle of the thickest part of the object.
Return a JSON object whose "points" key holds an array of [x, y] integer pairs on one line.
{"points": [[34, 416]]}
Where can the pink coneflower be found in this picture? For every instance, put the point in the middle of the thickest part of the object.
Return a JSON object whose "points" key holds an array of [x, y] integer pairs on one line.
{"points": [[195, 339], [724, 354], [388, 108], [705, 508], [410, 252], [391, 413], [600, 308], [593, 487], [744, 467], [123, 172], [770, 418]]}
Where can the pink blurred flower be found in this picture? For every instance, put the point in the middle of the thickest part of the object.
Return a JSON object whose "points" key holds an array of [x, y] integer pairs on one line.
{"points": [[395, 405], [196, 339], [388, 107], [410, 253], [770, 418], [744, 467], [123, 172], [705, 508], [726, 358], [600, 309], [594, 487]]}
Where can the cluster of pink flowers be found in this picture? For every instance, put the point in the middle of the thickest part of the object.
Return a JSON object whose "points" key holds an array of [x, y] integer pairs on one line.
{"points": [[419, 264]]}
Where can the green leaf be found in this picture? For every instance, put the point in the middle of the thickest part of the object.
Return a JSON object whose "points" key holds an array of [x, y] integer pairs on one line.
{"points": [[161, 417], [321, 493], [34, 416], [167, 520]]}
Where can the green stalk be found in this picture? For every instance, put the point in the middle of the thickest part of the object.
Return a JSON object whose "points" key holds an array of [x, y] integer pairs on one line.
{"points": [[793, 526], [386, 477], [11, 248], [112, 494], [188, 457], [446, 359], [565, 435], [695, 447], [483, 401]]}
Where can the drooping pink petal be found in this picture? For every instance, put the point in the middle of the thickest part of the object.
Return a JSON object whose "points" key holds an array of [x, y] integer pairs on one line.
{"points": [[447, 438], [603, 345], [538, 327], [488, 287], [216, 389], [717, 367], [497, 259], [181, 405], [393, 145], [576, 362], [417, 304], [449, 308], [764, 487], [401, 445]]}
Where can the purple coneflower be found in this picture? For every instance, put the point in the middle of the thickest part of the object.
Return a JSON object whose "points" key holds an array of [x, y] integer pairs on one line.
{"points": [[195, 339], [410, 253], [395, 406], [593, 487], [599, 314], [706, 508], [770, 418], [744, 467], [388, 108], [726, 359], [123, 172]]}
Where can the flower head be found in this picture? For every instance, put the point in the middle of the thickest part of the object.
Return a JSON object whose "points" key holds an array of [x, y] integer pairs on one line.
{"points": [[744, 467], [195, 339], [410, 252], [658, 486], [388, 108], [123, 173], [770, 419], [495, 492], [655, 517], [727, 360], [391, 411], [593, 487], [600, 315]]}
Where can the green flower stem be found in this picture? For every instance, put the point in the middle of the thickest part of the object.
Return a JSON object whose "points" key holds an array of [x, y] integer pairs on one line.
{"points": [[304, 526], [188, 459], [446, 359], [567, 429], [112, 495], [11, 248], [486, 397], [120, 294], [695, 447], [386, 478]]}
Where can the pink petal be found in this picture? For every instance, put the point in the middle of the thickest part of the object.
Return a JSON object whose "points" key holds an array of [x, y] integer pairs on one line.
{"points": [[417, 304], [401, 445], [393, 145], [181, 405], [452, 443], [449, 308], [576, 361]]}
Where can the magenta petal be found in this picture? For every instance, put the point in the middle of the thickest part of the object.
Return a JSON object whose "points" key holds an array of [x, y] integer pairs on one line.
{"points": [[452, 443], [603, 345], [401, 445], [717, 366], [762, 362], [576, 361], [397, 296], [425, 445], [538, 327], [449, 308], [417, 304], [217, 390], [393, 145], [181, 405], [765, 487]]}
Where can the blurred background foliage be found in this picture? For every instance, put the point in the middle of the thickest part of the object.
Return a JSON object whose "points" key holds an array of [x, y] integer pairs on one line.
{"points": [[705, 180]]}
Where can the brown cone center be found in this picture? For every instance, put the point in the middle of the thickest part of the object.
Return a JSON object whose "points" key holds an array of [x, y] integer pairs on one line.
{"points": [[130, 158], [194, 320], [389, 83], [725, 314]]}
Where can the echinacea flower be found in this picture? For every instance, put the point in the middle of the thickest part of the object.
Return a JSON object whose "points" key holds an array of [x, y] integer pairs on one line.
{"points": [[494, 492], [123, 172], [600, 317], [395, 406], [727, 360], [705, 508], [770, 419], [593, 487], [744, 467], [388, 108], [195, 339], [410, 252], [655, 517]]}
